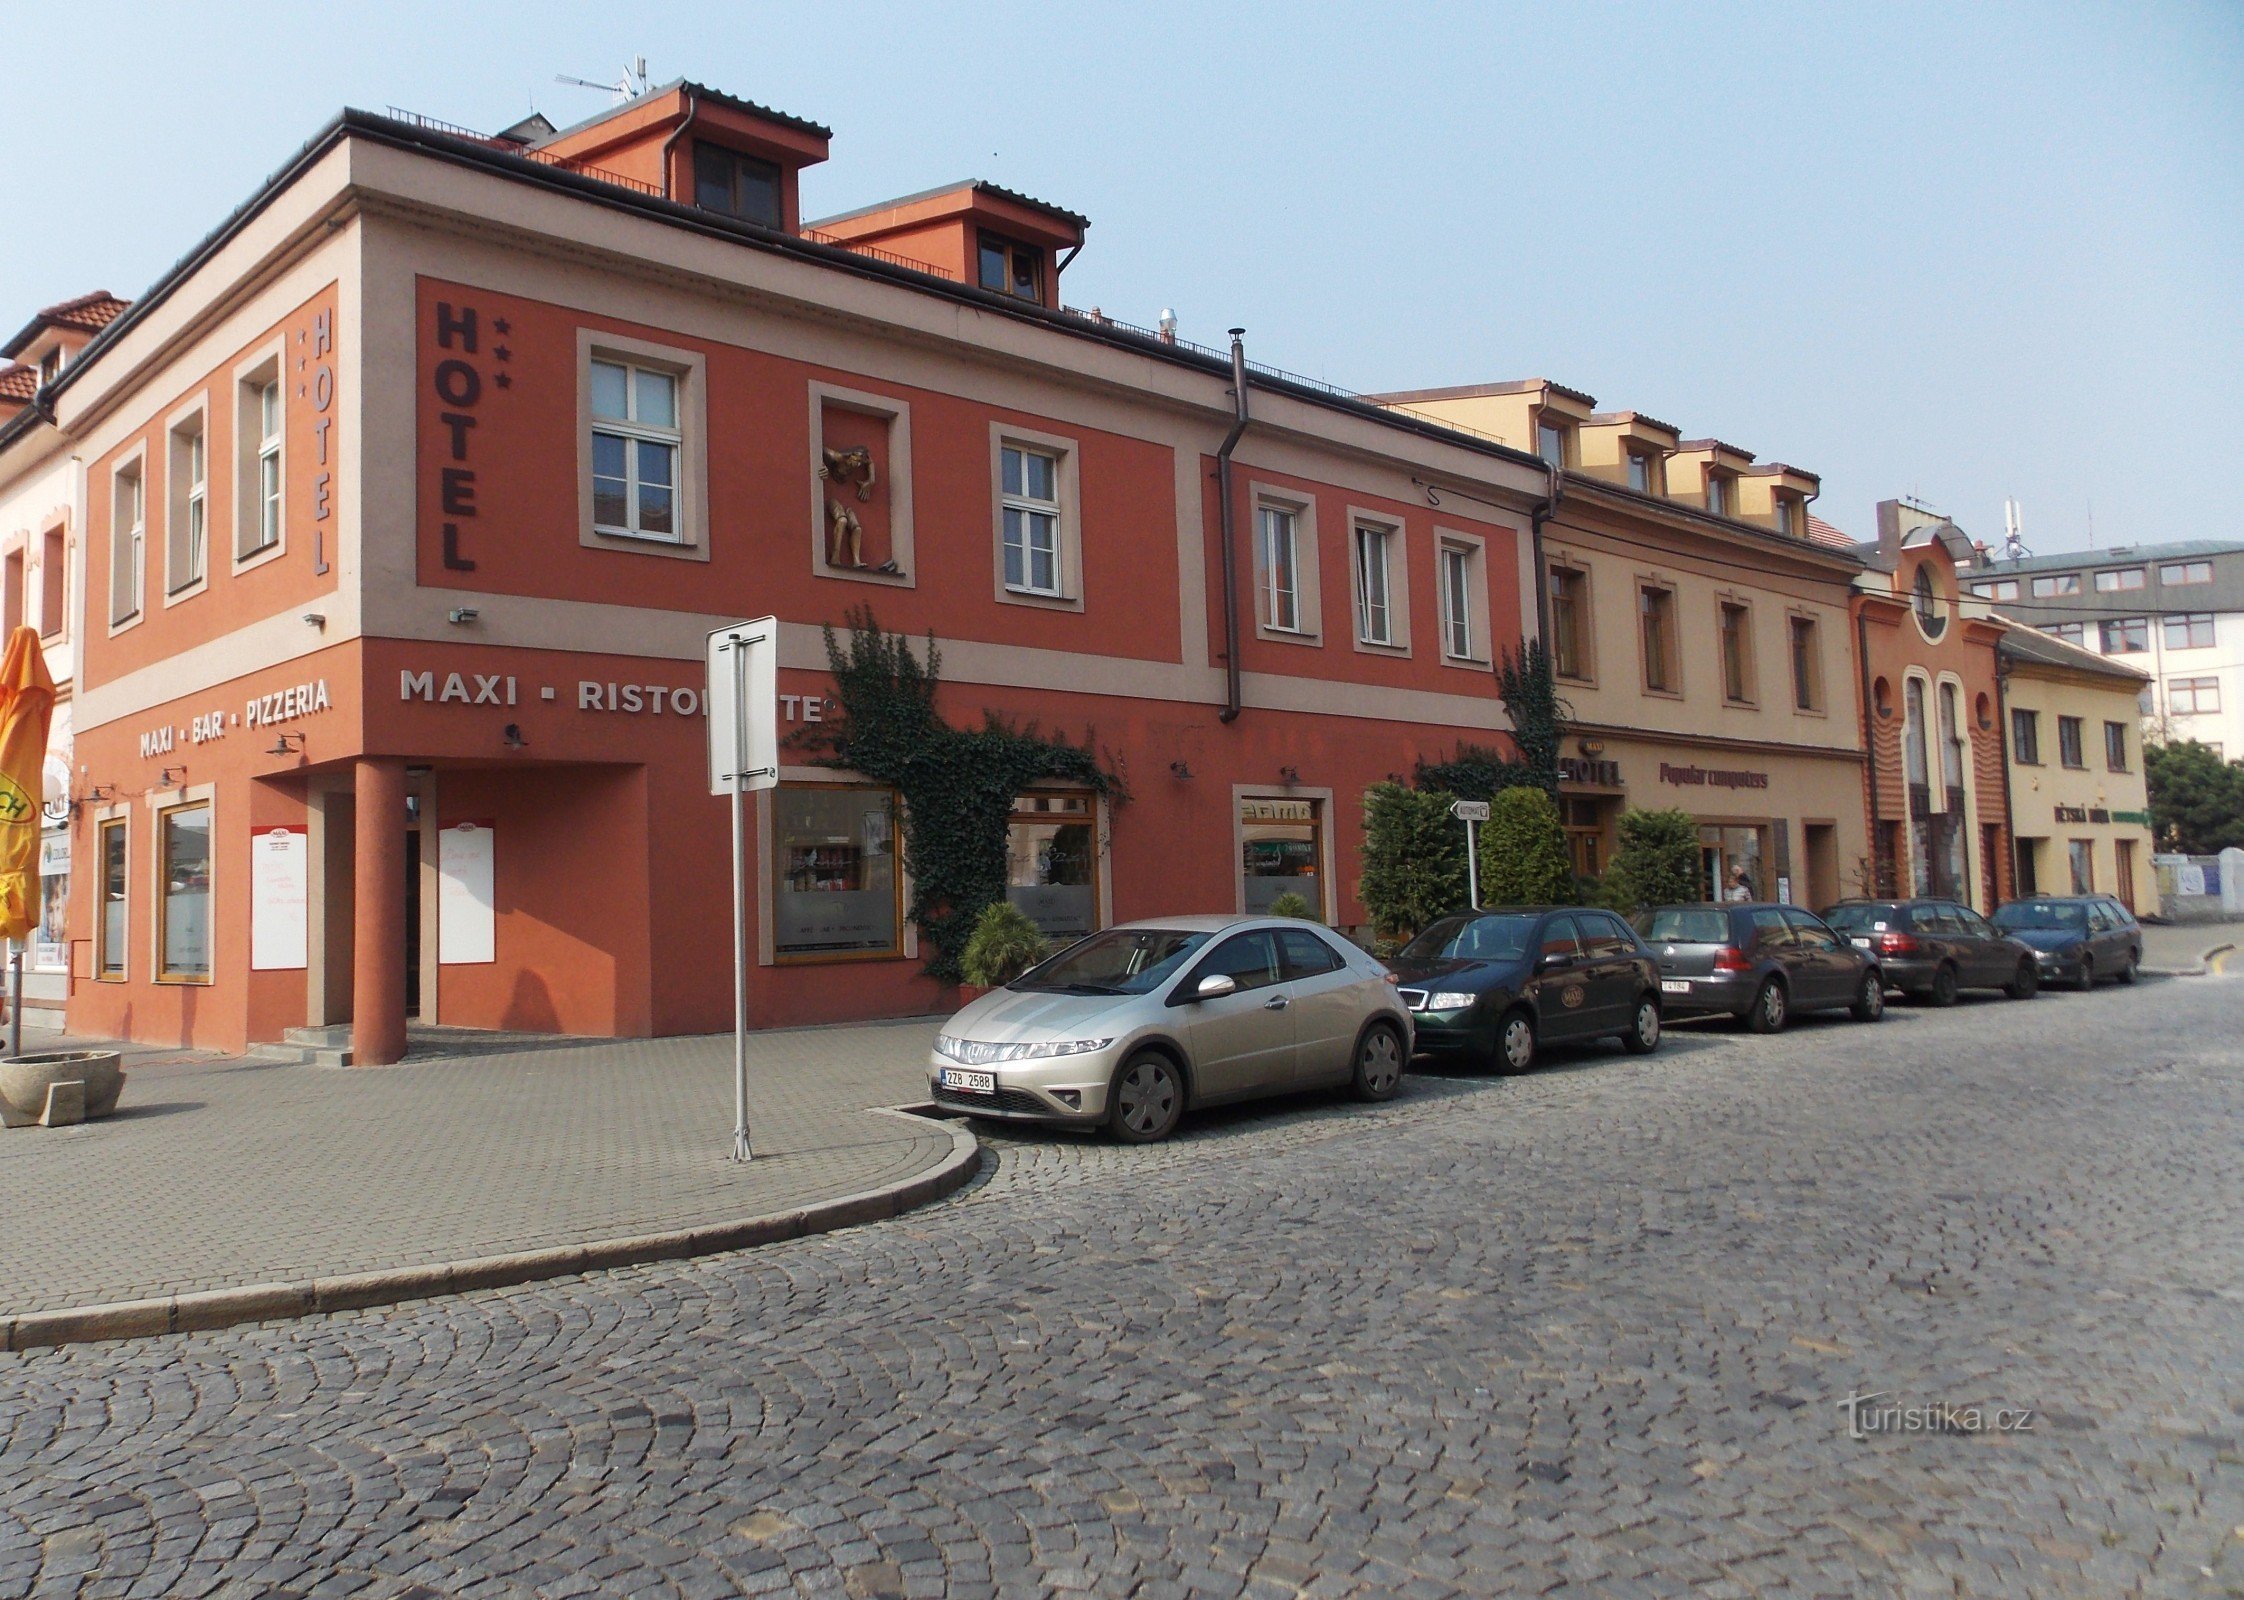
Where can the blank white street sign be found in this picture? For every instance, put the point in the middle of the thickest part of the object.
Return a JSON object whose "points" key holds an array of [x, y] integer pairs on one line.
{"points": [[743, 702]]}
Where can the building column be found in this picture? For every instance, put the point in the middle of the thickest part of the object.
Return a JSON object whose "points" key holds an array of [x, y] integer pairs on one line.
{"points": [[378, 942]]}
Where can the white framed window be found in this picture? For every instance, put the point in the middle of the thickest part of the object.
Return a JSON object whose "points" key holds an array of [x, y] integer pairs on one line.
{"points": [[1029, 489], [128, 540], [1374, 624], [187, 512], [260, 457], [637, 450], [1462, 584], [1278, 552]]}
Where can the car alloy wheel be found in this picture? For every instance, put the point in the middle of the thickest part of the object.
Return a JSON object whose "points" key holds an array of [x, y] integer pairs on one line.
{"points": [[1379, 1064], [1148, 1099], [1870, 1005], [1768, 1013], [1944, 986], [2027, 981], [1516, 1043], [1643, 1036]]}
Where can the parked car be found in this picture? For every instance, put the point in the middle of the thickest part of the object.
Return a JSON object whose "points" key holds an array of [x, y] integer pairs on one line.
{"points": [[1493, 987], [1930, 949], [1759, 963], [1133, 1026], [2078, 937]]}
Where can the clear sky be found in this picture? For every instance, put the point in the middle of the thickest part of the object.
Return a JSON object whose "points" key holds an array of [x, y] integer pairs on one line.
{"points": [[1955, 251]]}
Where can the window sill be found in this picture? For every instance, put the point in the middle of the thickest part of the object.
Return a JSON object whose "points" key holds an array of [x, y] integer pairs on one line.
{"points": [[834, 957], [1264, 630], [1811, 711], [1037, 599], [174, 982], [1740, 705], [1378, 647], [624, 540], [1467, 663], [1663, 694]]}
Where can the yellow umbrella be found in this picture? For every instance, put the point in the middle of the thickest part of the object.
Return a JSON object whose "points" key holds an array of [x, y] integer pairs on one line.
{"points": [[27, 700]]}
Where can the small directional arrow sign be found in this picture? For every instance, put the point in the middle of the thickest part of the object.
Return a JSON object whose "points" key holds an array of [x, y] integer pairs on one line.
{"points": [[1469, 810]]}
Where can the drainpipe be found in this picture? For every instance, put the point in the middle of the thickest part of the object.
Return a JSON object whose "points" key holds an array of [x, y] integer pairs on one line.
{"points": [[1227, 531], [2002, 744], [677, 133], [1869, 744], [1542, 514]]}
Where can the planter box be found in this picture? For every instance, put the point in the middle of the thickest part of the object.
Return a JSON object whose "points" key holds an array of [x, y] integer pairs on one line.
{"points": [[38, 1088]]}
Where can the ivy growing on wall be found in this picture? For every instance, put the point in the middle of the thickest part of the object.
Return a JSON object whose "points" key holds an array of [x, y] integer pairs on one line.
{"points": [[958, 784], [1530, 696]]}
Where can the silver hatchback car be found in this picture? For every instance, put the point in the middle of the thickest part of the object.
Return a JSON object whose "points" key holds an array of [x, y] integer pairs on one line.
{"points": [[1133, 1026]]}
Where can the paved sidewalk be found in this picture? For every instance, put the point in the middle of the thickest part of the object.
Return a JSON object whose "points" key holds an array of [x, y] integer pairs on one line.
{"points": [[2181, 947], [217, 1172]]}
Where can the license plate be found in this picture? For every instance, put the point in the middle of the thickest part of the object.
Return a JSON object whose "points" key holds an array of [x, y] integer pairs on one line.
{"points": [[969, 1082], [1675, 986], [1862, 944]]}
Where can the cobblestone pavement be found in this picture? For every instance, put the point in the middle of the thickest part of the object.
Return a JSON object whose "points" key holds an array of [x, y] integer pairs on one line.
{"points": [[220, 1172], [1582, 1333]]}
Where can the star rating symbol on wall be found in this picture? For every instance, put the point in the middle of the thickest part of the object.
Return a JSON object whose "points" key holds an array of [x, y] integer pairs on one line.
{"points": [[502, 352], [499, 327], [504, 380]]}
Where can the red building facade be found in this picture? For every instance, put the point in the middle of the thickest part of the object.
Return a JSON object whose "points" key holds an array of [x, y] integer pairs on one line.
{"points": [[411, 496]]}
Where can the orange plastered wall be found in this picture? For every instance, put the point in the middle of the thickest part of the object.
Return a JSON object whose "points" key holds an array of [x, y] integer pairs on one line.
{"points": [[228, 599]]}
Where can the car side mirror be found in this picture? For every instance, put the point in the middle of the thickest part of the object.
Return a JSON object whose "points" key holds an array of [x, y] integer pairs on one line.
{"points": [[1215, 986], [1551, 959]]}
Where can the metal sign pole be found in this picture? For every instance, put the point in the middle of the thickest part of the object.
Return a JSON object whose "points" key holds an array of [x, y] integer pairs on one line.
{"points": [[740, 1145], [1472, 864]]}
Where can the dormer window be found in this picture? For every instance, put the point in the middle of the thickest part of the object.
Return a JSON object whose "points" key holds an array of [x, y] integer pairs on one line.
{"points": [[1788, 516], [734, 185], [49, 365], [1010, 268], [1550, 442], [1643, 472], [1718, 494]]}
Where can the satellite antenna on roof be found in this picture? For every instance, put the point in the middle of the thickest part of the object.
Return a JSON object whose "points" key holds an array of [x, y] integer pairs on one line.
{"points": [[2013, 532], [630, 86]]}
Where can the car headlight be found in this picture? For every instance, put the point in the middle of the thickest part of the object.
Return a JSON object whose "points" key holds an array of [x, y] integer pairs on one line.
{"points": [[1449, 1000], [981, 1053]]}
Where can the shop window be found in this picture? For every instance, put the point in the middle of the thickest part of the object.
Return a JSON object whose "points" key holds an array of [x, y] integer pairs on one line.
{"points": [[2115, 746], [2081, 854], [110, 936], [186, 510], [1374, 558], [50, 940], [260, 460], [1009, 267], [2025, 736], [1663, 671], [1463, 602], [1807, 664], [128, 537], [2029, 864], [1051, 863], [2189, 697], [734, 185], [1281, 851], [183, 887], [1737, 652], [1029, 481], [834, 880], [54, 578], [11, 593], [2068, 742], [636, 445], [2123, 636], [1730, 863], [1278, 553], [2190, 631], [1570, 624]]}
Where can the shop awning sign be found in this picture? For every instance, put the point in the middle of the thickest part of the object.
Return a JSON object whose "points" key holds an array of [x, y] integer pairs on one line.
{"points": [[743, 698]]}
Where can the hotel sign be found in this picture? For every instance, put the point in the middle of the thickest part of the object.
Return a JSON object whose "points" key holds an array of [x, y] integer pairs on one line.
{"points": [[1584, 770]]}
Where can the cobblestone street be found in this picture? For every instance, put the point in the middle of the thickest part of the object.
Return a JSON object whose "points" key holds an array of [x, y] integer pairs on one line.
{"points": [[1581, 1333]]}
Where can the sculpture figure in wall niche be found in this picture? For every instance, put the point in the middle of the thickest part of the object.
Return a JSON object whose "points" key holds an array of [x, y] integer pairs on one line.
{"points": [[854, 465], [845, 535]]}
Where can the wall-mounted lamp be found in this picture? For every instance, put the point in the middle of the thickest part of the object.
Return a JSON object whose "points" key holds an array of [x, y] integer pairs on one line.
{"points": [[1289, 774], [171, 777], [512, 738], [281, 746], [460, 616], [1179, 769], [316, 619], [102, 791]]}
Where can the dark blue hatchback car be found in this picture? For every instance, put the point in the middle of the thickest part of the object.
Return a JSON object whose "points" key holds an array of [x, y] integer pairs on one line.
{"points": [[1490, 988]]}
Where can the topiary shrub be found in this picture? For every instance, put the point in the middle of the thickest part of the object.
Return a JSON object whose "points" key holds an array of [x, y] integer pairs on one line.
{"points": [[1523, 857], [1004, 945], [1290, 904], [1414, 859], [1657, 863]]}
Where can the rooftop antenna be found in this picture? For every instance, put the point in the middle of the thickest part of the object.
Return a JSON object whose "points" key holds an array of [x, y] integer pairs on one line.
{"points": [[2091, 524], [2014, 532], [630, 86]]}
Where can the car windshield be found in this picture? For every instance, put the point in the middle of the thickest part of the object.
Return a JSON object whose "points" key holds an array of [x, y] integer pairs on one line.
{"points": [[1684, 925], [1498, 938], [1862, 917], [1118, 961], [2052, 914]]}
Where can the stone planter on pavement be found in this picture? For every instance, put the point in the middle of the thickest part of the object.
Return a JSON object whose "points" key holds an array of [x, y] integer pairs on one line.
{"points": [[57, 1087]]}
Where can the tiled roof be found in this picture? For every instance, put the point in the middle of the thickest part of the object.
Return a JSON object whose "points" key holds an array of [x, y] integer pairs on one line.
{"points": [[963, 186], [18, 383], [89, 313], [1821, 532]]}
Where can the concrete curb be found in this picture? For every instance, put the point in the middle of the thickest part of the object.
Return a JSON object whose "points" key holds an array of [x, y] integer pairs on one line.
{"points": [[2203, 967], [352, 1291]]}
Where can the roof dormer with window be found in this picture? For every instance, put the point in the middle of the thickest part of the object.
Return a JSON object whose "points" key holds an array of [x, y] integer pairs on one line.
{"points": [[969, 232], [699, 146], [1776, 497], [1628, 448], [1533, 414], [1705, 473]]}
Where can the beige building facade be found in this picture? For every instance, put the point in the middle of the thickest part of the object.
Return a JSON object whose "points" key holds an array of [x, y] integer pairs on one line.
{"points": [[1699, 636], [2079, 801]]}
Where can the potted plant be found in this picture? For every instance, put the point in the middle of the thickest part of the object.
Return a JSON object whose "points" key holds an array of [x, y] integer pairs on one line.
{"points": [[1004, 945]]}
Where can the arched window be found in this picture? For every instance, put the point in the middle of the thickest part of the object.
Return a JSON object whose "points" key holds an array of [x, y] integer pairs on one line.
{"points": [[1913, 733], [1930, 615], [1951, 741]]}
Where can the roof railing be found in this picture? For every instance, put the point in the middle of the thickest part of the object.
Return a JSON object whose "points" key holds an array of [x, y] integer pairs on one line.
{"points": [[584, 169]]}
